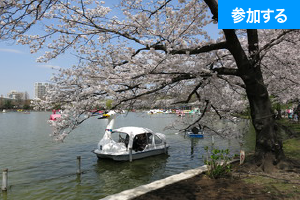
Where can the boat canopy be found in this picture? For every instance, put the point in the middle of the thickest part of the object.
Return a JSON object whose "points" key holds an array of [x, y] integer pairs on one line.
{"points": [[132, 131], [136, 138]]}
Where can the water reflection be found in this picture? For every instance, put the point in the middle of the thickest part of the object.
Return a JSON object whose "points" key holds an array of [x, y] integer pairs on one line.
{"points": [[125, 175], [194, 144]]}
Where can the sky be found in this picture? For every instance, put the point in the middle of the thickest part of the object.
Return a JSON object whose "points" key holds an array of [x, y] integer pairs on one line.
{"points": [[19, 69]]}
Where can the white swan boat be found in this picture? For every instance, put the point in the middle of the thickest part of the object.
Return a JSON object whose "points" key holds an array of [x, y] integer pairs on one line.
{"points": [[129, 143]]}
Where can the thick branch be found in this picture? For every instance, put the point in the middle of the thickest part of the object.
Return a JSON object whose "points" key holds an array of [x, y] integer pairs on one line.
{"points": [[204, 49], [190, 51], [253, 44], [226, 71], [213, 6], [252, 40], [162, 86], [191, 94], [197, 50]]}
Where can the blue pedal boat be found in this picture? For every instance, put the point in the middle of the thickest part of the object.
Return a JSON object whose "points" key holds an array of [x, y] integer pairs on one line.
{"points": [[192, 135]]}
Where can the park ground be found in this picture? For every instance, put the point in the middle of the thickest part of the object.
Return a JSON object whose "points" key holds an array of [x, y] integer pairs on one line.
{"points": [[245, 181]]}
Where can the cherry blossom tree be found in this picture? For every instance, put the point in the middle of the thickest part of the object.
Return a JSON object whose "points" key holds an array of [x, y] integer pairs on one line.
{"points": [[153, 50]]}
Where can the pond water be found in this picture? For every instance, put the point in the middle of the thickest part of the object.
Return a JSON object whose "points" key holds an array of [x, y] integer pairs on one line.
{"points": [[40, 168]]}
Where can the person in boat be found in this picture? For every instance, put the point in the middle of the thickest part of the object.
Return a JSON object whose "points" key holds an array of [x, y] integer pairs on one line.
{"points": [[195, 130], [139, 142]]}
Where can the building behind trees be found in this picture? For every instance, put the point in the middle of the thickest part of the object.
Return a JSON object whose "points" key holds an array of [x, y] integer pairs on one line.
{"points": [[40, 89]]}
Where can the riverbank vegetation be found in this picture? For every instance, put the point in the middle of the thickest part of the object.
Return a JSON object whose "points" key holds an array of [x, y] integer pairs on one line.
{"points": [[14, 104], [246, 181]]}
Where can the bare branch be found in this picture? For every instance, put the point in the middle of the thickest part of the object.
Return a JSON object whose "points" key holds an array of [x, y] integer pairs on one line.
{"points": [[191, 94], [161, 7], [201, 116], [276, 40], [216, 111]]}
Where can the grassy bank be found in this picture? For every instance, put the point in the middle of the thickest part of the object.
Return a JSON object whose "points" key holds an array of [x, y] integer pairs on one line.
{"points": [[291, 143], [282, 184], [292, 148]]}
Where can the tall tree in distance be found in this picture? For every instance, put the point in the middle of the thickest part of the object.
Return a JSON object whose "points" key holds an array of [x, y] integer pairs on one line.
{"points": [[139, 51]]}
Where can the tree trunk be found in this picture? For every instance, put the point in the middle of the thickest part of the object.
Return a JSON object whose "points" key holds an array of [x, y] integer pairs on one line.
{"points": [[268, 150]]}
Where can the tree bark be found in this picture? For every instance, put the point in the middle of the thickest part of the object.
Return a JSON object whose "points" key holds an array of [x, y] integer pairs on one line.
{"points": [[268, 149]]}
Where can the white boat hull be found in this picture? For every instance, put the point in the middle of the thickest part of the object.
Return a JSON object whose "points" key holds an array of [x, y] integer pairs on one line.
{"points": [[135, 155], [129, 143]]}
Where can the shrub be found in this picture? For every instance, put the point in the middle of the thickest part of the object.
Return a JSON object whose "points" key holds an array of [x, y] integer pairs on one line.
{"points": [[217, 161]]}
